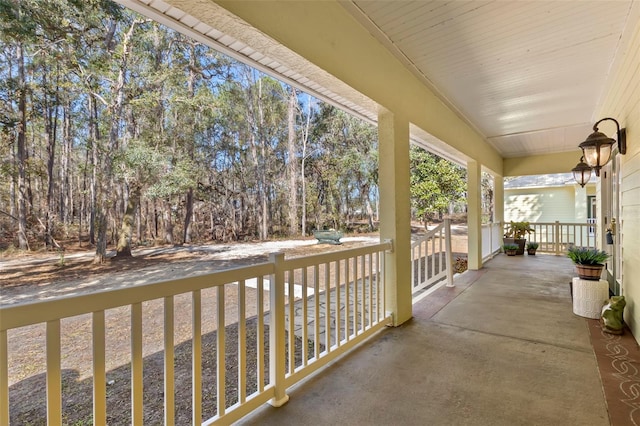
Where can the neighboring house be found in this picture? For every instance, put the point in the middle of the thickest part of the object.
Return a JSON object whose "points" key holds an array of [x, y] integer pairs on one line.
{"points": [[549, 198]]}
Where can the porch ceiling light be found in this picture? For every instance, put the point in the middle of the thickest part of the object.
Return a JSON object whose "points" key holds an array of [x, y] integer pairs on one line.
{"points": [[598, 146], [582, 172]]}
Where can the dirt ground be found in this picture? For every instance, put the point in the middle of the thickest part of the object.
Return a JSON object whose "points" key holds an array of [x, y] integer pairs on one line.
{"points": [[42, 276]]}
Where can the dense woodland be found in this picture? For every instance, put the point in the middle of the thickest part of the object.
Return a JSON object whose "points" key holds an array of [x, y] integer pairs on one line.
{"points": [[116, 131]]}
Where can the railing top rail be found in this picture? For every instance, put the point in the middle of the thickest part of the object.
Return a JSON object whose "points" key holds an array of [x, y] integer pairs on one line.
{"points": [[20, 315], [430, 233], [558, 223], [317, 259], [68, 306]]}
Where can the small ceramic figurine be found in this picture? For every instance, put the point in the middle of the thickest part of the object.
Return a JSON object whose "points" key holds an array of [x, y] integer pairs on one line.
{"points": [[611, 316]]}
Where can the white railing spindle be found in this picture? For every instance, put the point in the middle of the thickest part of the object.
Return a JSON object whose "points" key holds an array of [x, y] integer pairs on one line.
{"points": [[316, 307], [137, 414], [196, 357], [99, 373], [220, 353], [327, 309], [242, 342], [305, 316], [4, 379], [169, 379], [260, 335], [54, 376]]}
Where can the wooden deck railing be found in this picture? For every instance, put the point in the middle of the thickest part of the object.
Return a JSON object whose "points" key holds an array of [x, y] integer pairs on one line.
{"points": [[557, 237], [432, 259], [304, 313], [491, 240]]}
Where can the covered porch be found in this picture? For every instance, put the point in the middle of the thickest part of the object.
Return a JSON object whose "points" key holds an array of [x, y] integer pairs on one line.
{"points": [[501, 347]]}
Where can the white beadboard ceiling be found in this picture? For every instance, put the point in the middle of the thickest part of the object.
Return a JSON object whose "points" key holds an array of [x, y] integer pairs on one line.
{"points": [[527, 75]]}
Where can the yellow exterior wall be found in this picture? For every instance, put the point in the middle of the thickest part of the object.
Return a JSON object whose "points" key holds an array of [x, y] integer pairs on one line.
{"points": [[540, 204], [622, 102]]}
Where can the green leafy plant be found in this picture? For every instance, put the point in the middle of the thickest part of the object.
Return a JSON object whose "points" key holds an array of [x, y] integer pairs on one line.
{"points": [[518, 230], [532, 246], [510, 247], [584, 256]]}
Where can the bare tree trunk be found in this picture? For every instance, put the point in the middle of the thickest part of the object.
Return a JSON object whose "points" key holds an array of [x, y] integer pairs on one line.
{"points": [[139, 222], [101, 232], [50, 120], [305, 140], [115, 109], [64, 208], [22, 153], [168, 223], [292, 165], [93, 181], [188, 216], [186, 237], [123, 249]]}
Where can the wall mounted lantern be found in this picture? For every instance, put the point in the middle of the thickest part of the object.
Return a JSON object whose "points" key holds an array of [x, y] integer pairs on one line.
{"points": [[582, 172], [596, 149]]}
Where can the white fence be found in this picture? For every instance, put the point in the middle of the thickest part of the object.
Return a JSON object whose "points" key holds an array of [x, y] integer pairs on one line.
{"points": [[557, 237], [281, 320], [432, 259], [491, 240]]}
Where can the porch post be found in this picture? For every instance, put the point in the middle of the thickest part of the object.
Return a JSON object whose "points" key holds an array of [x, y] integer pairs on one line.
{"points": [[474, 214], [498, 200], [277, 334], [395, 217]]}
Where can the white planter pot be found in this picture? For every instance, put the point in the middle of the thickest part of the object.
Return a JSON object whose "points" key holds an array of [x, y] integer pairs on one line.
{"points": [[589, 297]]}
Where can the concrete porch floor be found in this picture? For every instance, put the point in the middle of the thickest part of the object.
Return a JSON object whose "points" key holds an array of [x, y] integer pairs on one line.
{"points": [[501, 348]]}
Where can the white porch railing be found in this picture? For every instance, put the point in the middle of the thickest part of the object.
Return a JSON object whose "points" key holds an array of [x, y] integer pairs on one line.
{"points": [[491, 240], [303, 312], [557, 237], [592, 229], [432, 259]]}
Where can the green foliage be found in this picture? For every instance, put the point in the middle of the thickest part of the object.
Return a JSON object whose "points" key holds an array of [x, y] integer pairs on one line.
{"points": [[175, 179], [139, 163], [165, 118], [532, 246], [509, 247], [518, 230], [585, 256], [435, 183]]}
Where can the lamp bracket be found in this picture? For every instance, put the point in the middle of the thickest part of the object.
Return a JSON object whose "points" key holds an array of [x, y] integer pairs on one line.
{"points": [[621, 133]]}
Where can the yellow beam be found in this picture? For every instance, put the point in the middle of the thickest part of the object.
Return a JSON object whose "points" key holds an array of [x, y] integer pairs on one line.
{"points": [[561, 162]]}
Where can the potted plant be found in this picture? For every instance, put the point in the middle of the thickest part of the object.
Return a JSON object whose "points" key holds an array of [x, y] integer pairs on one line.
{"points": [[516, 232], [589, 262], [510, 248], [531, 248]]}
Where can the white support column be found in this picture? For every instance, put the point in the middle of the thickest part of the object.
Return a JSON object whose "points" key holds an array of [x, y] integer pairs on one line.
{"points": [[498, 209], [474, 214], [395, 214], [498, 199]]}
